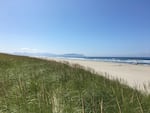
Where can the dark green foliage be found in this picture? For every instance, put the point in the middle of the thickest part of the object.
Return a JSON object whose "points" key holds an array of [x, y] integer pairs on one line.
{"points": [[30, 85]]}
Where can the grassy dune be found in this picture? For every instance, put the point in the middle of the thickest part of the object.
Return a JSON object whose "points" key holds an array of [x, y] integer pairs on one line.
{"points": [[29, 85]]}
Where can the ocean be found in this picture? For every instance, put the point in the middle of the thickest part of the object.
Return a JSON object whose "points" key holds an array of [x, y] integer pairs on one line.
{"points": [[129, 60]]}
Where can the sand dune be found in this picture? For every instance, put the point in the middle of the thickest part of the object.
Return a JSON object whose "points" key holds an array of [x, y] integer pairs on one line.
{"points": [[137, 76]]}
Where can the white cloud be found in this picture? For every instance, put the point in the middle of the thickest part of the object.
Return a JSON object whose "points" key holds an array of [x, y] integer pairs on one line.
{"points": [[31, 50], [2, 50], [26, 50]]}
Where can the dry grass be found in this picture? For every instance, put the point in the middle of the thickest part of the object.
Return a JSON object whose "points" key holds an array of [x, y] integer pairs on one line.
{"points": [[29, 85]]}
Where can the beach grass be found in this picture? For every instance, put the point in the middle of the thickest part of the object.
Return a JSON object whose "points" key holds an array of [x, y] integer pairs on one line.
{"points": [[31, 85]]}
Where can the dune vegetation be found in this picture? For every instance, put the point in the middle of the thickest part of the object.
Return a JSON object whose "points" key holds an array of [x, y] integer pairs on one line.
{"points": [[31, 85]]}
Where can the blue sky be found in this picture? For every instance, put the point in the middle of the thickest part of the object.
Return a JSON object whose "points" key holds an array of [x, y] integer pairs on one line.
{"points": [[90, 27]]}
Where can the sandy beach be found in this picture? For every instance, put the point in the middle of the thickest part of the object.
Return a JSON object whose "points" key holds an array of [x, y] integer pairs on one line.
{"points": [[136, 76]]}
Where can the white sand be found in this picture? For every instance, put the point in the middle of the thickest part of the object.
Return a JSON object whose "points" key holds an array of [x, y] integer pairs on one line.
{"points": [[135, 75]]}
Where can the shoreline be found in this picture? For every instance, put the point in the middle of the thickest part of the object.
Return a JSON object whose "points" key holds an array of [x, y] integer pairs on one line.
{"points": [[136, 76]]}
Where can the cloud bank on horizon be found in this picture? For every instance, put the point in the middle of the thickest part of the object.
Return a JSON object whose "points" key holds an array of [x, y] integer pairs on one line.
{"points": [[90, 27]]}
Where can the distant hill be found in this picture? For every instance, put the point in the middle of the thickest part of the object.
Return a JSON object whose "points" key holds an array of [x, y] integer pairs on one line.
{"points": [[73, 55], [34, 54], [48, 54]]}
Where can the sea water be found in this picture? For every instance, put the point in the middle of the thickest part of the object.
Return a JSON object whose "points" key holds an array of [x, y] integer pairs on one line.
{"points": [[129, 60]]}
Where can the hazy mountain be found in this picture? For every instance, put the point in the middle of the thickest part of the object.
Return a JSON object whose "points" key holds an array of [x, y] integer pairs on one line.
{"points": [[49, 54], [34, 54], [73, 55]]}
